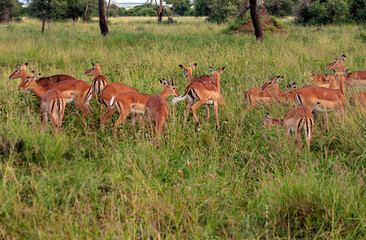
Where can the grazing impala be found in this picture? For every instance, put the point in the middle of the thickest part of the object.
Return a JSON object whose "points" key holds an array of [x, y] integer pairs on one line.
{"points": [[188, 74], [355, 78], [156, 110], [112, 90], [76, 91], [53, 106], [294, 120], [132, 102], [205, 93], [99, 82], [20, 72]]}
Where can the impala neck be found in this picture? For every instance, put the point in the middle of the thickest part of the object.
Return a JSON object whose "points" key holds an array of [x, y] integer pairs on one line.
{"points": [[23, 75], [332, 83], [216, 81], [283, 96], [190, 77], [98, 72], [164, 94], [342, 86], [37, 90], [277, 122], [341, 67]]}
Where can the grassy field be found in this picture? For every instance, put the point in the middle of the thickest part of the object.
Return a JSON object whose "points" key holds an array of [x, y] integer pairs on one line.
{"points": [[236, 182]]}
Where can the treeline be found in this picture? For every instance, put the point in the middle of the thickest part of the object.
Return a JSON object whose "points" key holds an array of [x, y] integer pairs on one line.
{"points": [[315, 12]]}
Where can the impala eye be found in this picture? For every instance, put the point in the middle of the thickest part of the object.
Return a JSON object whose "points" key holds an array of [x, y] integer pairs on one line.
{"points": [[269, 83], [173, 88]]}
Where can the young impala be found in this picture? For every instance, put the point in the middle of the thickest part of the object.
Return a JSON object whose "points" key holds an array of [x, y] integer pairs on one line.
{"points": [[156, 110], [76, 91], [132, 102], [293, 121], [205, 93], [99, 82], [190, 101], [53, 106], [20, 72], [355, 78]]}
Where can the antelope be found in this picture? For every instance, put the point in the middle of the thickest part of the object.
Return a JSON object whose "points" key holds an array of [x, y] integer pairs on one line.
{"points": [[355, 78], [358, 99], [276, 94], [76, 91], [205, 93], [156, 110], [20, 72], [256, 96], [53, 106], [99, 82], [110, 91], [188, 74], [132, 102], [293, 121]]}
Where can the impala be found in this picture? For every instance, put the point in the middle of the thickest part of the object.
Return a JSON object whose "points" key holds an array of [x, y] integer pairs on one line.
{"points": [[76, 91], [205, 93], [99, 82], [293, 121], [188, 74], [132, 102], [276, 94], [355, 78], [110, 91], [156, 110], [358, 99], [20, 72], [53, 106]]}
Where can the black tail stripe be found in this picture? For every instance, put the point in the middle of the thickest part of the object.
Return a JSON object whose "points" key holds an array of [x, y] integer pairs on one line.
{"points": [[298, 125], [53, 105], [87, 95]]}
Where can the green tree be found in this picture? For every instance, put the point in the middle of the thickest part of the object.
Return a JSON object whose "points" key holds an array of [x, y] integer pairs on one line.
{"points": [[9, 10]]}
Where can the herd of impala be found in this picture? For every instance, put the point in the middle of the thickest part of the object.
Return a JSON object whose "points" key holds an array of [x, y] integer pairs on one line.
{"points": [[327, 95]]}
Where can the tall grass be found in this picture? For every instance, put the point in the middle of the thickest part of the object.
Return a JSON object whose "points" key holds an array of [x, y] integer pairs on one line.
{"points": [[236, 182]]}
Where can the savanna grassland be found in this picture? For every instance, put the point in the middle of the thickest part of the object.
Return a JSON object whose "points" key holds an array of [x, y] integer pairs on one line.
{"points": [[240, 181]]}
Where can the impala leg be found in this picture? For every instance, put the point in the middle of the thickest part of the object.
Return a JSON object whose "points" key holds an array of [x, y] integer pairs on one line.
{"points": [[298, 138], [186, 113], [122, 118], [81, 107], [105, 117], [44, 120], [54, 122], [208, 112], [193, 108], [216, 107]]}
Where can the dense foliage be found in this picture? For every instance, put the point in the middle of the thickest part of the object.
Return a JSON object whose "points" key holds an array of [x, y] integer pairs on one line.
{"points": [[10, 10]]}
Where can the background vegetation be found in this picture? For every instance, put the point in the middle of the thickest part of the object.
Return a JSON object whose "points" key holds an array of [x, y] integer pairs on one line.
{"points": [[237, 182]]}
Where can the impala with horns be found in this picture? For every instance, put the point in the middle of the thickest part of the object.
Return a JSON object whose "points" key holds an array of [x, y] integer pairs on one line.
{"points": [[99, 82], [188, 74], [132, 102], [76, 91], [293, 121], [53, 106], [355, 78], [205, 93], [20, 72], [112, 90]]}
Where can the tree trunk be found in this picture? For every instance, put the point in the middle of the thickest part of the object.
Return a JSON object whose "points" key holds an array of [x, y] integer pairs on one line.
{"points": [[46, 16], [109, 3], [170, 17], [255, 19], [244, 9], [159, 10], [5, 11], [86, 12], [102, 22]]}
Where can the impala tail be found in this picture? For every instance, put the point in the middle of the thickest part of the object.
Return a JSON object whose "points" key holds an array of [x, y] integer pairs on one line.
{"points": [[180, 98]]}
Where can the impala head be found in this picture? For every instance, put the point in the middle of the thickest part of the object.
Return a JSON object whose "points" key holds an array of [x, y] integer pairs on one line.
{"points": [[337, 63], [268, 85], [29, 82], [94, 71], [187, 70], [18, 71], [169, 87], [340, 75], [269, 122], [216, 74]]}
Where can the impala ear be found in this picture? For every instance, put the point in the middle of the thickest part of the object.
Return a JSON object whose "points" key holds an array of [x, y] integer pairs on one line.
{"points": [[222, 69], [211, 70], [26, 64], [164, 82], [93, 63], [326, 75], [343, 57], [172, 82], [181, 66], [347, 71], [194, 65], [266, 117], [19, 67], [279, 78], [333, 71]]}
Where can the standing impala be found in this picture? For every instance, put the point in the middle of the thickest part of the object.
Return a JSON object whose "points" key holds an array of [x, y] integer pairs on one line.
{"points": [[132, 102], [111, 91], [99, 82], [294, 120], [76, 91], [205, 93], [355, 78], [188, 74], [323, 80], [20, 72], [53, 106]]}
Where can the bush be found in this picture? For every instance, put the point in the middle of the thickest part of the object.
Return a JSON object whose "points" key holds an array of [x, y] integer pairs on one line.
{"points": [[280, 8]]}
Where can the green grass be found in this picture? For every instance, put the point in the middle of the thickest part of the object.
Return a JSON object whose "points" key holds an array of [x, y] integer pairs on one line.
{"points": [[236, 182]]}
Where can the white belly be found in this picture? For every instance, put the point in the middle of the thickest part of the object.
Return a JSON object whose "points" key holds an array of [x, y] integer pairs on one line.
{"points": [[138, 111], [210, 102], [69, 100]]}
